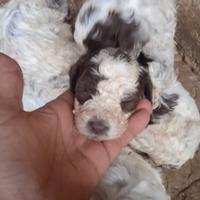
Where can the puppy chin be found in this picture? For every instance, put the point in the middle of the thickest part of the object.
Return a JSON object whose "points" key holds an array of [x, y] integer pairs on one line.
{"points": [[100, 138]]}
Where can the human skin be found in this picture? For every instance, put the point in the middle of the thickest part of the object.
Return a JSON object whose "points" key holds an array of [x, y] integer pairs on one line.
{"points": [[42, 155]]}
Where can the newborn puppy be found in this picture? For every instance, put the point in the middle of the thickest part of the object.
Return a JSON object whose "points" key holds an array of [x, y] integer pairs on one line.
{"points": [[108, 85]]}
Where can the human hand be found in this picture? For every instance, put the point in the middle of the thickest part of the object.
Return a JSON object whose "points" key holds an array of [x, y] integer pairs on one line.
{"points": [[42, 155]]}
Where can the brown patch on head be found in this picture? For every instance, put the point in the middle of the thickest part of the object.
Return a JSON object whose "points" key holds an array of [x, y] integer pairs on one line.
{"points": [[114, 32], [145, 83], [83, 80]]}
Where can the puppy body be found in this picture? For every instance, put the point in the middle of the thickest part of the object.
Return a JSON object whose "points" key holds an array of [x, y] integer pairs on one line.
{"points": [[135, 24], [35, 35]]}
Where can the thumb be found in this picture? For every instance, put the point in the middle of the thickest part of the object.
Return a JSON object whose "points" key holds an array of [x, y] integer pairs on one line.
{"points": [[138, 121], [11, 84]]}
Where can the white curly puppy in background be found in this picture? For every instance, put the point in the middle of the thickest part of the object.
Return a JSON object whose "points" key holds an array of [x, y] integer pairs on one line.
{"points": [[35, 35], [108, 82]]}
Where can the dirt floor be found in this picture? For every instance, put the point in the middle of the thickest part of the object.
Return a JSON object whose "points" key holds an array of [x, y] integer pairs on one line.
{"points": [[182, 184]]}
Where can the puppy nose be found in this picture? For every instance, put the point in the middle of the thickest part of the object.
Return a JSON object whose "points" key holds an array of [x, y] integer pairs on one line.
{"points": [[98, 127]]}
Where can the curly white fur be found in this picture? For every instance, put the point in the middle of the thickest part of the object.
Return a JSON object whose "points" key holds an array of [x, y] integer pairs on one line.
{"points": [[33, 33]]}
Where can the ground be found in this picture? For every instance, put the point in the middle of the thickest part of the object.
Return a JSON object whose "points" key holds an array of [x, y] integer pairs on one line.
{"points": [[182, 184]]}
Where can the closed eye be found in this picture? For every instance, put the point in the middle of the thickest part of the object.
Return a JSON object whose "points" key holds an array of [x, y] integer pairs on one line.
{"points": [[129, 105]]}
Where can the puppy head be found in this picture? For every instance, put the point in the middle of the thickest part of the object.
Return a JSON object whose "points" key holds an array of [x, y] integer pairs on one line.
{"points": [[107, 86]]}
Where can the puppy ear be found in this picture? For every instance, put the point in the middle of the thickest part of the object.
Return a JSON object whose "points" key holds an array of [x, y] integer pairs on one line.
{"points": [[148, 87], [145, 79], [78, 68], [76, 71], [73, 75]]}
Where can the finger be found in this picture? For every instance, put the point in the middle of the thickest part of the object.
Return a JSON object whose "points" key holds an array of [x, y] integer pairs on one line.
{"points": [[144, 104], [11, 83], [137, 123]]}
